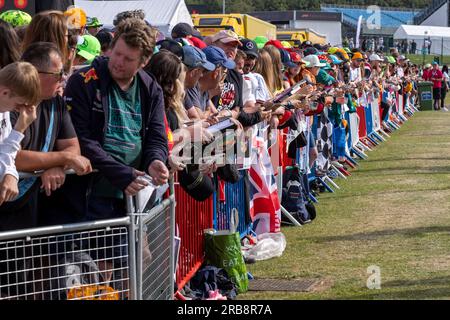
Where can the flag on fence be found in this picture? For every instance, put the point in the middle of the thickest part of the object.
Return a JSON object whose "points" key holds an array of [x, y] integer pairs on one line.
{"points": [[265, 207]]}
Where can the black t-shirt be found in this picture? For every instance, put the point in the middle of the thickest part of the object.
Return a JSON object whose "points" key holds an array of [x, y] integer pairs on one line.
{"points": [[36, 134], [22, 213], [231, 96], [172, 119]]}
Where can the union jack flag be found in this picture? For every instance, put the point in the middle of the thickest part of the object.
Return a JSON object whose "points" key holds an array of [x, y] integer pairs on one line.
{"points": [[265, 207]]}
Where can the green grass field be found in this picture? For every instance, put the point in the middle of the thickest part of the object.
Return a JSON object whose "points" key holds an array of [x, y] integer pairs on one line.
{"points": [[393, 213], [418, 59]]}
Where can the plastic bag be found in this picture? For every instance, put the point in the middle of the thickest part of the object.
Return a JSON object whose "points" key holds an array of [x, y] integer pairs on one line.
{"points": [[269, 245], [223, 250]]}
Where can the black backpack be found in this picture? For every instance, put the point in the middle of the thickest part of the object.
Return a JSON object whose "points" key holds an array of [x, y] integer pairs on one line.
{"points": [[295, 197]]}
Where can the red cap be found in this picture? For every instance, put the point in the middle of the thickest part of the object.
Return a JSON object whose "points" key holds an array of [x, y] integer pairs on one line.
{"points": [[295, 57], [275, 43], [196, 42]]}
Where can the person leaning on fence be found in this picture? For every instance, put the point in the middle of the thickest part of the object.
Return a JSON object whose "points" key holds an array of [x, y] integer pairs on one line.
{"points": [[118, 113], [50, 143], [19, 91], [231, 98]]}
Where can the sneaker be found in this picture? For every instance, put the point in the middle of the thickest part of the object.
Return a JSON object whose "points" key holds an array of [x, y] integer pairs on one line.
{"points": [[444, 109]]}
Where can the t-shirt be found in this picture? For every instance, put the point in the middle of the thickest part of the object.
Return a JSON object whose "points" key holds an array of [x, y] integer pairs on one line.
{"points": [[255, 88], [436, 74], [197, 98], [35, 135], [123, 140], [355, 74], [22, 213], [231, 96], [9, 145]]}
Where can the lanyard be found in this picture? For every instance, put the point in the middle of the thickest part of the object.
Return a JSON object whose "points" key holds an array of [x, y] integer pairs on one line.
{"points": [[26, 184]]}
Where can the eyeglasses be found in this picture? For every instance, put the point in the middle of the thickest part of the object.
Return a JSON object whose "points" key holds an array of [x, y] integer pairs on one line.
{"points": [[60, 74]]}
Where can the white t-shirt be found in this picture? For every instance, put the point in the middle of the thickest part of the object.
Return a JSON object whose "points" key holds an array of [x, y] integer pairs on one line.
{"points": [[9, 146], [355, 74], [255, 88]]}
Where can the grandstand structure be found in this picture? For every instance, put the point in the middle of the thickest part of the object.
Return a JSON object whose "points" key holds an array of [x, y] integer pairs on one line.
{"points": [[385, 25], [437, 14]]}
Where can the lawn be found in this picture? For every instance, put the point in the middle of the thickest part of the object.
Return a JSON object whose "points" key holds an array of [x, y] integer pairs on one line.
{"points": [[393, 213], [418, 59]]}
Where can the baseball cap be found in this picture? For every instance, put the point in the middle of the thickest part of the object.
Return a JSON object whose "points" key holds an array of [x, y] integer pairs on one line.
{"points": [[196, 42], [286, 45], [16, 18], [261, 41], [249, 47], [286, 59], [226, 36], [276, 43], [402, 57], [90, 48], [335, 59], [218, 57], [357, 56], [182, 30], [390, 59], [93, 22], [314, 61], [307, 43], [197, 185], [427, 66], [375, 57], [324, 78], [310, 51], [172, 46], [195, 58], [435, 63]]}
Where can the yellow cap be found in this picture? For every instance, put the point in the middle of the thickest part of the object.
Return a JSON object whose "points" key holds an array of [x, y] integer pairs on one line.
{"points": [[286, 45]]}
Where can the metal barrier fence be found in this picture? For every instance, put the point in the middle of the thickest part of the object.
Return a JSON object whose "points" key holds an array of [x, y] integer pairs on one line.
{"points": [[235, 202], [87, 261], [156, 253], [93, 260]]}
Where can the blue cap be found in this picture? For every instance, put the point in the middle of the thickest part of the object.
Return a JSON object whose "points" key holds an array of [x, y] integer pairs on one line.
{"points": [[435, 63], [195, 58], [218, 57], [335, 59], [286, 59]]}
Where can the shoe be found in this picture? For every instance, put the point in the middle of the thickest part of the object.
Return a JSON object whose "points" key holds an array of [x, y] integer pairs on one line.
{"points": [[444, 109]]}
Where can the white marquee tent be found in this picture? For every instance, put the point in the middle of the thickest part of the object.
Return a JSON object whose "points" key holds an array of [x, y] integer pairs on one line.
{"points": [[162, 14], [439, 36]]}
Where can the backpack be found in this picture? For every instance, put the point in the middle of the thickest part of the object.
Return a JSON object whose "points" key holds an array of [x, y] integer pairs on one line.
{"points": [[295, 198], [77, 276]]}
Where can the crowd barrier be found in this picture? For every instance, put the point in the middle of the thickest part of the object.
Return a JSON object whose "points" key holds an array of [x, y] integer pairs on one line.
{"points": [[134, 257], [130, 258]]}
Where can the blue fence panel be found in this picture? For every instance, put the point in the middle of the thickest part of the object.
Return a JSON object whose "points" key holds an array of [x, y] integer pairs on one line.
{"points": [[234, 202]]}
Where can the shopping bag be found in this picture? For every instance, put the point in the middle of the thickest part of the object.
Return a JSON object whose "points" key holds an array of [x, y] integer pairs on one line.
{"points": [[223, 250]]}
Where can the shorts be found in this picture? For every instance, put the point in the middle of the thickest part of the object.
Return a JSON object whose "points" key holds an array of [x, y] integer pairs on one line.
{"points": [[437, 93]]}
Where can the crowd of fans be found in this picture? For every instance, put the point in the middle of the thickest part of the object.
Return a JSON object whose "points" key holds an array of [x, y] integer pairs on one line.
{"points": [[113, 104]]}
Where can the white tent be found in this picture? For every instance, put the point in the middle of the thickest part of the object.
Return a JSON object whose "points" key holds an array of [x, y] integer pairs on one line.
{"points": [[162, 14], [439, 36]]}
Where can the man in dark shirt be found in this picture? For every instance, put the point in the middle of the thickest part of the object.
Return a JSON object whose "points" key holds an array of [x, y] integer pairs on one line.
{"points": [[50, 143]]}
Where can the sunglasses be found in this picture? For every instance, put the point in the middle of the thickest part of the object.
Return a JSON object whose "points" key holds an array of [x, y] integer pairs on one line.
{"points": [[59, 74]]}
